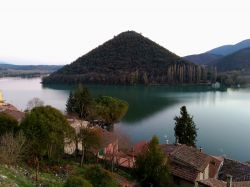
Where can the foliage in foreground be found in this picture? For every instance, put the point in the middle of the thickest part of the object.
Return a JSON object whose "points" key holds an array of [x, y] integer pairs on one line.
{"points": [[46, 129], [7, 123], [19, 176], [77, 181], [12, 148], [100, 177], [151, 167]]}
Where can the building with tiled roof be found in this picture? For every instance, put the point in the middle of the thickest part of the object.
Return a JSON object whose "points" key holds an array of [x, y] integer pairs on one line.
{"points": [[219, 183], [188, 165], [18, 115], [240, 171], [108, 143], [215, 164], [10, 109]]}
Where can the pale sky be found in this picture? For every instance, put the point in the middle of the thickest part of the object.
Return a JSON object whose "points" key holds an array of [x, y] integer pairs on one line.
{"points": [[59, 31]]}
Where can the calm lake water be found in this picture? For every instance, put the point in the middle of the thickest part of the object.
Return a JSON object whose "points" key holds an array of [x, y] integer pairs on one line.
{"points": [[222, 116]]}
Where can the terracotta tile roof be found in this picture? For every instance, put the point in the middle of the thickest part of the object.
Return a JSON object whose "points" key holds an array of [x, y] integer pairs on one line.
{"points": [[214, 166], [138, 148], [7, 106], [219, 183], [240, 171], [190, 156], [168, 148], [107, 137], [213, 183], [184, 171], [18, 115], [241, 184], [186, 162]]}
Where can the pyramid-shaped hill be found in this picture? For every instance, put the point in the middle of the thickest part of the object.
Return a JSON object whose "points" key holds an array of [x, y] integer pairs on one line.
{"points": [[128, 58]]}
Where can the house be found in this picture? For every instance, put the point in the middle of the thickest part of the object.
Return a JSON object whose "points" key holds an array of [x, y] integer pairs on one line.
{"points": [[108, 145], [216, 85], [238, 170], [219, 183], [18, 115], [191, 167], [188, 165]]}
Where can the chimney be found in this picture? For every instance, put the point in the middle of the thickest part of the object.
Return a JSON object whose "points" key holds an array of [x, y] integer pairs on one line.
{"points": [[201, 149], [229, 180]]}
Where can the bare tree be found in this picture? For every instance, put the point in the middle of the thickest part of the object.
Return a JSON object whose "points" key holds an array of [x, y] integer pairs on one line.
{"points": [[124, 142], [35, 102], [12, 148]]}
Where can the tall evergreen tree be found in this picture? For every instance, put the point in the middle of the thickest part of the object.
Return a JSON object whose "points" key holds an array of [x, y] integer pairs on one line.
{"points": [[185, 128], [151, 168], [79, 102]]}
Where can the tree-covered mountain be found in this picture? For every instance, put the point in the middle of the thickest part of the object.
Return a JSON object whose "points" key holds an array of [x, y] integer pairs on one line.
{"points": [[236, 61], [128, 58], [203, 58], [229, 49]]}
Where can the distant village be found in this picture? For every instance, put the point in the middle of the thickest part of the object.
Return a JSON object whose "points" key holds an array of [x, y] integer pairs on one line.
{"points": [[189, 166]]}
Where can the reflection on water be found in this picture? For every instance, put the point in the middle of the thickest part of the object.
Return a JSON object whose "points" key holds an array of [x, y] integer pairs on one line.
{"points": [[222, 116], [144, 101]]}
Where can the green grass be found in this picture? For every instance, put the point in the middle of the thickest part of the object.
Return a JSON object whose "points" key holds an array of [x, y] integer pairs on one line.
{"points": [[15, 176], [12, 177]]}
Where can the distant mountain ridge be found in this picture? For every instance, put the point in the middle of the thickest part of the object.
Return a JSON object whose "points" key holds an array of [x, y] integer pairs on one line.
{"points": [[225, 58], [229, 49], [10, 70], [128, 58], [203, 58], [50, 68], [235, 61]]}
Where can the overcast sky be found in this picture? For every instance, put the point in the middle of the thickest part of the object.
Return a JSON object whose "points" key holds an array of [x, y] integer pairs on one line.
{"points": [[59, 31]]}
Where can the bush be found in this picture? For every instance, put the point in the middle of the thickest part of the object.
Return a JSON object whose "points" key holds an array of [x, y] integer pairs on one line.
{"points": [[77, 181], [100, 177], [7, 124]]}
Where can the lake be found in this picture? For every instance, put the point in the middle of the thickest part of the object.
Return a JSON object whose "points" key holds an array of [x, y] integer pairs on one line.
{"points": [[222, 116]]}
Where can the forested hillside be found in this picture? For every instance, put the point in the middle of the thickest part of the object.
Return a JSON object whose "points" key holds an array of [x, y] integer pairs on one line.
{"points": [[236, 61], [203, 58]]}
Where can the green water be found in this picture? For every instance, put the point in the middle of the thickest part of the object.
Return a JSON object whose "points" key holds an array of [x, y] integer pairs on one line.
{"points": [[222, 116]]}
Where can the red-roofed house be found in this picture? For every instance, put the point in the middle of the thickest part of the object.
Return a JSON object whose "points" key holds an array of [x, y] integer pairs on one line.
{"points": [[188, 165]]}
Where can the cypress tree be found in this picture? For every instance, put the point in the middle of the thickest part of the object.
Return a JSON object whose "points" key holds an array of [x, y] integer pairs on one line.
{"points": [[185, 128]]}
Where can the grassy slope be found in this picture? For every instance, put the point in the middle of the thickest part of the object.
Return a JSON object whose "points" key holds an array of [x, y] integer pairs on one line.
{"points": [[10, 176]]}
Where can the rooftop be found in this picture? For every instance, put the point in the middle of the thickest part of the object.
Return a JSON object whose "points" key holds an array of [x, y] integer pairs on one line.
{"points": [[18, 115], [218, 183], [215, 165], [240, 171], [187, 161], [7, 106], [190, 156]]}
